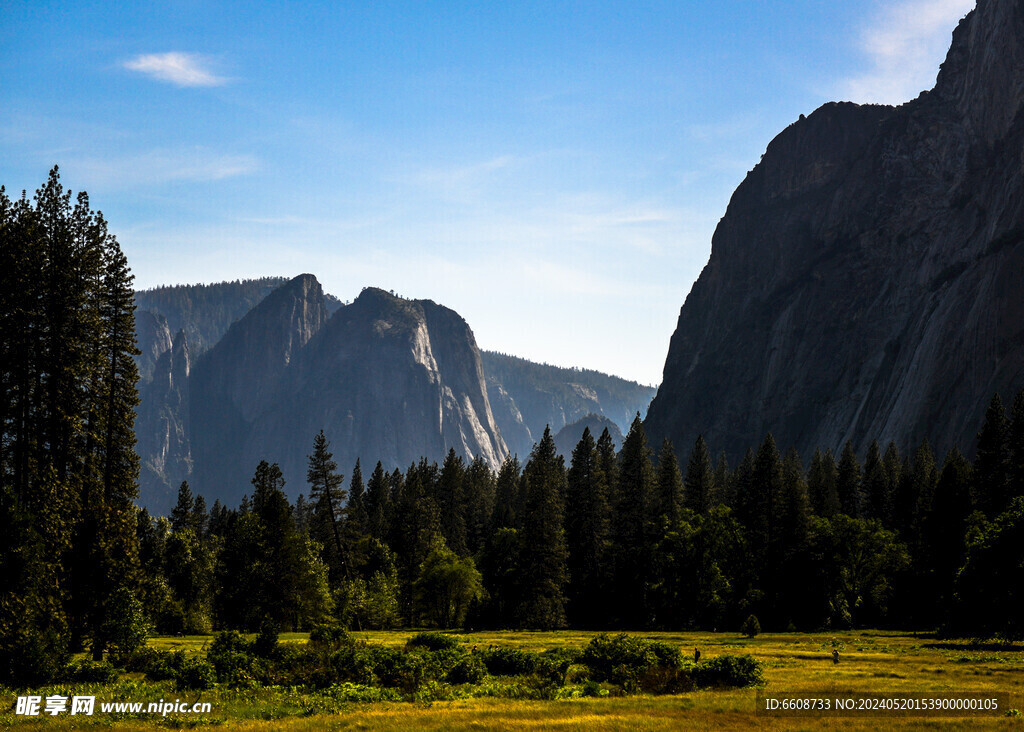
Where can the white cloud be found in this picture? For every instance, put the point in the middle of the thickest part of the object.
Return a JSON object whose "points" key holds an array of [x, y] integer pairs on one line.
{"points": [[905, 43], [181, 69]]}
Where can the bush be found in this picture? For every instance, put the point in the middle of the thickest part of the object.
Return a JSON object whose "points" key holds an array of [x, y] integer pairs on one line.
{"points": [[195, 674], [751, 626], [157, 665], [729, 671], [265, 643], [330, 638], [469, 670], [621, 659], [92, 672], [509, 662], [232, 659], [433, 641]]}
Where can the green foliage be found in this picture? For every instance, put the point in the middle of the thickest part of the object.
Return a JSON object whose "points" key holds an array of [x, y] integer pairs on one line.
{"points": [[470, 669], [434, 642], [330, 638], [510, 661], [126, 626], [196, 674], [447, 586], [729, 672], [92, 672], [751, 626]]}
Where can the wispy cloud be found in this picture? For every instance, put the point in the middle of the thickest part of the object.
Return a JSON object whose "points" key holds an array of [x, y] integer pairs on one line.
{"points": [[160, 166], [904, 43], [180, 69]]}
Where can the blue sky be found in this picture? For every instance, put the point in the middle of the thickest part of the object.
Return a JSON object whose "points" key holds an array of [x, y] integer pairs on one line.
{"points": [[551, 170]]}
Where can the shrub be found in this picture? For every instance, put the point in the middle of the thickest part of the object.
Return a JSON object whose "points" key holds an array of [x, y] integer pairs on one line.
{"points": [[330, 637], [509, 662], [433, 641], [157, 665], [751, 626], [232, 659], [195, 674], [621, 659], [469, 670], [265, 643], [729, 671], [92, 672]]}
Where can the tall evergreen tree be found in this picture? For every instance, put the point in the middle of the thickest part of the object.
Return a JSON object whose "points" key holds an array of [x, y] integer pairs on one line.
{"points": [[635, 529], [378, 502], [451, 500], [699, 485], [822, 481], [328, 500], [358, 520], [479, 496], [181, 514], [1016, 472], [877, 503], [542, 550], [587, 528], [848, 482], [992, 460], [507, 500]]}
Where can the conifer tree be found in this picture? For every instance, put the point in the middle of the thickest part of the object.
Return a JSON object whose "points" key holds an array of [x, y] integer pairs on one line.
{"points": [[947, 522], [877, 503], [822, 480], [358, 520], [451, 487], [328, 499], [479, 503], [1016, 451], [848, 482], [542, 550], [992, 460], [587, 526], [700, 479], [722, 482], [635, 529], [893, 469], [507, 500], [378, 501], [181, 514]]}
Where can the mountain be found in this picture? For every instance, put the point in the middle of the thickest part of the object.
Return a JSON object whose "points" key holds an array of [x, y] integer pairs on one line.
{"points": [[162, 425], [205, 312], [528, 396], [385, 378], [569, 436], [865, 281]]}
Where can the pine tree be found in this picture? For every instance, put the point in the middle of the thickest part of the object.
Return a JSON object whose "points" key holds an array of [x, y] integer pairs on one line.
{"points": [[877, 503], [947, 522], [479, 504], [182, 512], [542, 550], [587, 528], [378, 502], [892, 467], [848, 482], [507, 500], [1016, 472], [451, 501], [822, 480], [992, 460], [635, 529], [358, 520], [328, 499], [699, 485], [722, 482]]}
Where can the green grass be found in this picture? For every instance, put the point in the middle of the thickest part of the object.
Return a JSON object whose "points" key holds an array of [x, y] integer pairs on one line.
{"points": [[870, 661]]}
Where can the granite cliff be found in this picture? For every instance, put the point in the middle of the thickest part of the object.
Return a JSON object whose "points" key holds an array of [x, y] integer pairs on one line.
{"points": [[866, 279]]}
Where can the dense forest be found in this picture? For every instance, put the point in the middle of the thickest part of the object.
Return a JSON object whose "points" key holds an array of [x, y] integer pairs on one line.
{"points": [[626, 540]]}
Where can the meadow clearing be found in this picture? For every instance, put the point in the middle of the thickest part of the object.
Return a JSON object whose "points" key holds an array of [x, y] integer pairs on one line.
{"points": [[869, 661]]}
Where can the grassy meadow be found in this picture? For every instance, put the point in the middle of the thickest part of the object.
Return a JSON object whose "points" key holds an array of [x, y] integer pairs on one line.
{"points": [[870, 661]]}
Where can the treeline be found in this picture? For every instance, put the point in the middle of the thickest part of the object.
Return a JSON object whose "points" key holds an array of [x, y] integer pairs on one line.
{"points": [[68, 469], [627, 540]]}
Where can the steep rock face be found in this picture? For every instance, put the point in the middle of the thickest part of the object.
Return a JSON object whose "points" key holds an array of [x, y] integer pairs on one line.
{"points": [[865, 281], [570, 435], [153, 338], [527, 397], [162, 427], [385, 378], [240, 376]]}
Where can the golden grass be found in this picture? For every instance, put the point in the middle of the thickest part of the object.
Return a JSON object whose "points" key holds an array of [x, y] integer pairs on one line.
{"points": [[870, 661]]}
